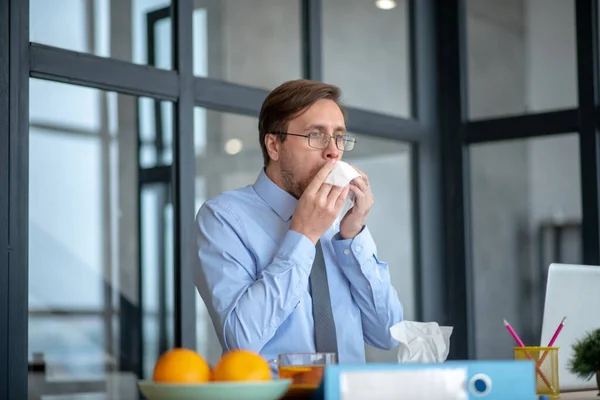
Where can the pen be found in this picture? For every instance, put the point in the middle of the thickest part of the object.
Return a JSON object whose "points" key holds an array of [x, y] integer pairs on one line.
{"points": [[558, 329], [514, 334]]}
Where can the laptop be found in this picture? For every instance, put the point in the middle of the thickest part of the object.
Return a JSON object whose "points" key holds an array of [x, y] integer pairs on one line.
{"points": [[572, 291]]}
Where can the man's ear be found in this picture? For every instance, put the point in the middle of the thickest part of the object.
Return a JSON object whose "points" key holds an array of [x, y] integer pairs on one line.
{"points": [[273, 145]]}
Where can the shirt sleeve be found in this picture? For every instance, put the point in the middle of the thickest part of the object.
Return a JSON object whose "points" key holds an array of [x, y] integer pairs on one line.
{"points": [[247, 307], [370, 286]]}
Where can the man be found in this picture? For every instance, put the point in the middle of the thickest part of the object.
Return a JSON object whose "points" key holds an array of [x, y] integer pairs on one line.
{"points": [[263, 249]]}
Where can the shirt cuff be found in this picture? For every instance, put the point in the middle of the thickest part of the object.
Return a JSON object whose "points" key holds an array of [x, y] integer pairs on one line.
{"points": [[358, 262], [358, 251], [296, 250]]}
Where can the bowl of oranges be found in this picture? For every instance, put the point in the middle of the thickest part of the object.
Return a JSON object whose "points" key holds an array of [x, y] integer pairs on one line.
{"points": [[183, 374]]}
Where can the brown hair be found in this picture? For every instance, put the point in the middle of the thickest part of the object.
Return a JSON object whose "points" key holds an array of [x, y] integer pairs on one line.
{"points": [[288, 101]]}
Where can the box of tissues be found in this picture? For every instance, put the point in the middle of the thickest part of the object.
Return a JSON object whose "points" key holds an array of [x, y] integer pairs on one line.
{"points": [[423, 342]]}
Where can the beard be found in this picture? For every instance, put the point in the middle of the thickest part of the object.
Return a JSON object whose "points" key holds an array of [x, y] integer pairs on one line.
{"points": [[291, 185]]}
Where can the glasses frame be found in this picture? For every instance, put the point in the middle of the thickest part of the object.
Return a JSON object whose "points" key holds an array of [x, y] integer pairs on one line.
{"points": [[346, 138]]}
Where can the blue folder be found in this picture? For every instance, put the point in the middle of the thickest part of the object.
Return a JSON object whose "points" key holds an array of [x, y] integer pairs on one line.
{"points": [[488, 380]]}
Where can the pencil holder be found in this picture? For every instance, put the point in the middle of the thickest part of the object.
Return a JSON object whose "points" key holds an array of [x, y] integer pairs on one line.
{"points": [[546, 368]]}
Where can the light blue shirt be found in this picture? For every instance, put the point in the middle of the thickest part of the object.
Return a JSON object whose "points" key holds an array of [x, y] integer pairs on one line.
{"points": [[253, 275]]}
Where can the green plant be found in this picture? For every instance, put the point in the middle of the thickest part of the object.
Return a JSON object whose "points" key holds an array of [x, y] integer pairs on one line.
{"points": [[586, 358]]}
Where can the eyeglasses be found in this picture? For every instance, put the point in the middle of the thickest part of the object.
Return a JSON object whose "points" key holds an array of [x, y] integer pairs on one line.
{"points": [[320, 140]]}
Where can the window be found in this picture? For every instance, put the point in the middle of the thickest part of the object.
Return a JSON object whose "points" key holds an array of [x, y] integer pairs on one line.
{"points": [[123, 29], [525, 194], [366, 53], [256, 43], [521, 57], [86, 291]]}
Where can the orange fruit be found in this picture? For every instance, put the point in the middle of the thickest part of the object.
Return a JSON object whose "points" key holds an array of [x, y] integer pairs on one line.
{"points": [[181, 365], [242, 365]]}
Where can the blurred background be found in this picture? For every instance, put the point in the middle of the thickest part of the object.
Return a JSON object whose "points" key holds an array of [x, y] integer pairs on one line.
{"points": [[102, 283]]}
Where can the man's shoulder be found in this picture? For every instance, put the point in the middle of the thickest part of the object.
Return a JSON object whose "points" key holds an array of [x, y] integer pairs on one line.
{"points": [[231, 202]]}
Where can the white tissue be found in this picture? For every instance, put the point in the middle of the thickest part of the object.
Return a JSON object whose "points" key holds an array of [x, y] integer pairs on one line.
{"points": [[424, 342], [341, 175]]}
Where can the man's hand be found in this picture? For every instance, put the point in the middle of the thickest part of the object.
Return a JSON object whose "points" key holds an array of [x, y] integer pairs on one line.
{"points": [[354, 220], [318, 206]]}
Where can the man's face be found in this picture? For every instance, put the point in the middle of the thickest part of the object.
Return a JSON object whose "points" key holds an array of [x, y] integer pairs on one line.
{"points": [[299, 163]]}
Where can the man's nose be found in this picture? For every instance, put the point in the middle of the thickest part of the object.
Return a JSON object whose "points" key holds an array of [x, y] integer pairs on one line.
{"points": [[331, 152]]}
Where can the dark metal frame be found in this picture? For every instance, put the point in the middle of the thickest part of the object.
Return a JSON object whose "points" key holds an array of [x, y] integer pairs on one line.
{"points": [[14, 168], [312, 47], [426, 163], [520, 126], [183, 183], [586, 17], [452, 110], [102, 73]]}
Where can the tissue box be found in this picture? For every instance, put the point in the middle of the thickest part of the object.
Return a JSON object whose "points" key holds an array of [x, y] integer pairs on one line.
{"points": [[424, 342], [491, 380]]}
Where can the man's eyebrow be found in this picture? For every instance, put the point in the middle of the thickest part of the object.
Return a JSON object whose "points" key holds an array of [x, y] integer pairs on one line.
{"points": [[318, 127], [321, 127]]}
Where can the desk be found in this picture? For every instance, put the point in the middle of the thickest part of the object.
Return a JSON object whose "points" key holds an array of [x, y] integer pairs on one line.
{"points": [[587, 395]]}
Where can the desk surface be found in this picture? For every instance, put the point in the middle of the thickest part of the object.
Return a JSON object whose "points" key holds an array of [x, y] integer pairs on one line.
{"points": [[587, 395]]}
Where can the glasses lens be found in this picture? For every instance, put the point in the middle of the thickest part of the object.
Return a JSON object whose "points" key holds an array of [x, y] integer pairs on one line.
{"points": [[318, 140], [347, 144]]}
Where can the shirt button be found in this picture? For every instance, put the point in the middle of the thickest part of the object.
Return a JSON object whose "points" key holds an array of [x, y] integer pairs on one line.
{"points": [[358, 248], [346, 252], [369, 287]]}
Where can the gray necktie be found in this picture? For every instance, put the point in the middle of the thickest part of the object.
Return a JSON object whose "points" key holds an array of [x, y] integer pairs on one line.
{"points": [[325, 336]]}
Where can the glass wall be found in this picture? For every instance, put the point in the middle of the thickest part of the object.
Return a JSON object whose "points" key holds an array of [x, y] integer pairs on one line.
{"points": [[155, 133], [157, 273], [106, 233], [366, 51], [255, 43], [527, 194], [128, 30], [91, 287], [526, 213], [521, 57]]}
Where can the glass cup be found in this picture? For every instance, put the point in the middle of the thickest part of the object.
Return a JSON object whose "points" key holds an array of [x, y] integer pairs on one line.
{"points": [[304, 368]]}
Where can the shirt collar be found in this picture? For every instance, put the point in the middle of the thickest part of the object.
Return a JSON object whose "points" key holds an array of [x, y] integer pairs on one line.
{"points": [[278, 199]]}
